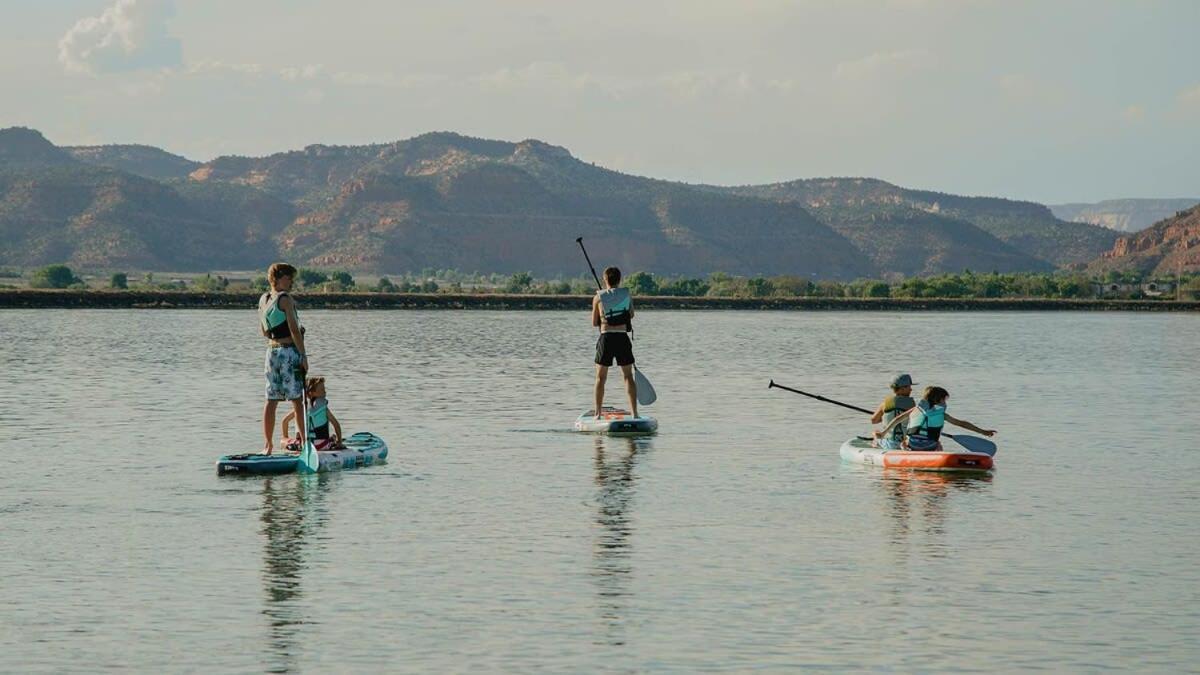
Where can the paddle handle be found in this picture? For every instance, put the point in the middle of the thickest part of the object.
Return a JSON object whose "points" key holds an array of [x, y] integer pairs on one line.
{"points": [[579, 240]]}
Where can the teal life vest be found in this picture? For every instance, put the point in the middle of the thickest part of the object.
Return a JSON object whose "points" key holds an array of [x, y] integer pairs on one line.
{"points": [[317, 425], [926, 421], [274, 320], [616, 307], [892, 407]]}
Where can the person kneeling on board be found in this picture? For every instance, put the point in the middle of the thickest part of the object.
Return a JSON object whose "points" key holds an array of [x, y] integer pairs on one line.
{"points": [[898, 403], [925, 422], [612, 313], [320, 417]]}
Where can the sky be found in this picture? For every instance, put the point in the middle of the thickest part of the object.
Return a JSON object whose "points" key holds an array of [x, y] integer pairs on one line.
{"points": [[1049, 100]]}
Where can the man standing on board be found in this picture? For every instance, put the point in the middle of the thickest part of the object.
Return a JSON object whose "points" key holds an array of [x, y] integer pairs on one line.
{"points": [[285, 363], [612, 313]]}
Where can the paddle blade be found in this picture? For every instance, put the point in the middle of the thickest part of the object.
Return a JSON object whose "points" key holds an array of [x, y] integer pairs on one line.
{"points": [[975, 443], [309, 460], [645, 390]]}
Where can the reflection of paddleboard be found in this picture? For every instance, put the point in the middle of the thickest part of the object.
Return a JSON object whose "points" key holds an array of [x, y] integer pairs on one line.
{"points": [[616, 422], [362, 449], [861, 452]]}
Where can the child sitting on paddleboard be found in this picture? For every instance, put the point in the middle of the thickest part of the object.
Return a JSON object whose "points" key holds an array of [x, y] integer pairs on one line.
{"points": [[898, 403], [925, 422], [320, 418]]}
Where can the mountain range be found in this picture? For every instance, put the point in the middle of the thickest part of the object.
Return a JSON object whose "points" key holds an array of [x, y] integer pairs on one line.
{"points": [[444, 200], [1123, 215], [1165, 248]]}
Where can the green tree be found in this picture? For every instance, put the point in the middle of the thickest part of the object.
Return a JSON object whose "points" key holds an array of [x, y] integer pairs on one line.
{"points": [[519, 282], [876, 289], [54, 276], [385, 285], [210, 284], [309, 278], [260, 283], [642, 283], [688, 288], [429, 286], [342, 279], [119, 280], [759, 287]]}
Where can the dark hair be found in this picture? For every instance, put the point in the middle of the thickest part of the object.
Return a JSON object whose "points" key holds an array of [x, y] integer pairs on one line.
{"points": [[612, 275], [279, 270], [312, 383], [935, 395]]}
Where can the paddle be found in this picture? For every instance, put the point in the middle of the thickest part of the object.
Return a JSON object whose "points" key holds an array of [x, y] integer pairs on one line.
{"points": [[971, 443], [645, 391], [309, 460]]}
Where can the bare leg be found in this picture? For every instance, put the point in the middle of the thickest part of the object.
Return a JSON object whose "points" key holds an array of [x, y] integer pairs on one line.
{"points": [[298, 406], [269, 425], [630, 388], [601, 378]]}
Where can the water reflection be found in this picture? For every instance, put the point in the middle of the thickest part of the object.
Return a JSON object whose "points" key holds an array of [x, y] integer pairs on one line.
{"points": [[291, 513], [613, 571], [918, 502]]}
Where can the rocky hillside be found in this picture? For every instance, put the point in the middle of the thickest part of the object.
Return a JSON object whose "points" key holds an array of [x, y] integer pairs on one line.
{"points": [[140, 160], [1163, 248], [1123, 215], [445, 200], [1025, 226]]}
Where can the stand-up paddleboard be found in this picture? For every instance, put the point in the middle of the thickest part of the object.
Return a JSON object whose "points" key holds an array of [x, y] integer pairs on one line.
{"points": [[861, 451], [361, 449], [615, 422]]}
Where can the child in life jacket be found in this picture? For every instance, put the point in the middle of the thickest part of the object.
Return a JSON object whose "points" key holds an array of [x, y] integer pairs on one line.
{"points": [[925, 422], [320, 419]]}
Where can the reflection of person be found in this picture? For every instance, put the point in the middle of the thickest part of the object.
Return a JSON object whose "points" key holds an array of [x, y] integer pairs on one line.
{"points": [[320, 418], [926, 419], [615, 483], [900, 401], [612, 313], [285, 363]]}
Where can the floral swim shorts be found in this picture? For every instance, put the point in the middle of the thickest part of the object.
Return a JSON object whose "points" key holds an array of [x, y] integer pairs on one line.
{"points": [[285, 381]]}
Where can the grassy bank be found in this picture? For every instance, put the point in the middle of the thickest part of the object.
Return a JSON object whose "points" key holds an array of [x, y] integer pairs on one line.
{"points": [[91, 299]]}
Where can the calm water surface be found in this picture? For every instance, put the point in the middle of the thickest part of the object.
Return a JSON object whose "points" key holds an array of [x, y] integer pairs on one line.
{"points": [[496, 540]]}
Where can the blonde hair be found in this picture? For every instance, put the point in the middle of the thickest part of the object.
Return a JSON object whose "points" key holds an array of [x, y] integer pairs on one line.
{"points": [[311, 384]]}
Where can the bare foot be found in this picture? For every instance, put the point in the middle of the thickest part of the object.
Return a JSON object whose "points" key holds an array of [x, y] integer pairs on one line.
{"points": [[269, 449]]}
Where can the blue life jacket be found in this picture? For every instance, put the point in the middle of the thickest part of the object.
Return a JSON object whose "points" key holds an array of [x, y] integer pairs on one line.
{"points": [[616, 307], [895, 405], [274, 320], [926, 421], [317, 425]]}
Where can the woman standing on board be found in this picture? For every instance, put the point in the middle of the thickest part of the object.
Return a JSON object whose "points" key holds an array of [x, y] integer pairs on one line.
{"points": [[612, 313], [286, 364]]}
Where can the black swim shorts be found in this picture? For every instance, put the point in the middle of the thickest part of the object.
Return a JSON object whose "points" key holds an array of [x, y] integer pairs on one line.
{"points": [[612, 346]]}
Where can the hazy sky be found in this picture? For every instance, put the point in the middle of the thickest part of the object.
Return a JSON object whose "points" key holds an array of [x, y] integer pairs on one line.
{"points": [[1047, 100]]}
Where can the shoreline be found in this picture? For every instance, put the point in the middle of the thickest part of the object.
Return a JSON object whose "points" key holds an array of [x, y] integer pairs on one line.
{"points": [[91, 299]]}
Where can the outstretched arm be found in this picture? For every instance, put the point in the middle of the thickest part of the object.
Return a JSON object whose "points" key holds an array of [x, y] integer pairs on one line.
{"points": [[337, 427], [902, 416], [967, 425]]}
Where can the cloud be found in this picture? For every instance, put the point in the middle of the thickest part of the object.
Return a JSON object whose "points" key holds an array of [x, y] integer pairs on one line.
{"points": [[1190, 98], [129, 35], [1134, 114], [882, 64]]}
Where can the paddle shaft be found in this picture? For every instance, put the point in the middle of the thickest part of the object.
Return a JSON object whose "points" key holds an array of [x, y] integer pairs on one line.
{"points": [[819, 398], [579, 240], [829, 400]]}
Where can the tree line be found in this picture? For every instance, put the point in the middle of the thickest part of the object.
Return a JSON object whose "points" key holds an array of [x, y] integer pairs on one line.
{"points": [[966, 284]]}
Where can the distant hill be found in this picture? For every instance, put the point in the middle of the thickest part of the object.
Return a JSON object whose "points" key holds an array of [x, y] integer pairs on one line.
{"points": [[446, 200], [1025, 226], [141, 160], [1123, 215], [1165, 247]]}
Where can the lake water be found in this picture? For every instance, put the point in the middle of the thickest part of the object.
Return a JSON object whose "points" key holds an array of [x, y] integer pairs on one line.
{"points": [[494, 539]]}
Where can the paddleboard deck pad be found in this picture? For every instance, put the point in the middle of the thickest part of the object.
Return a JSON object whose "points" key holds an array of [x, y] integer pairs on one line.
{"points": [[615, 422], [361, 449], [860, 451]]}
